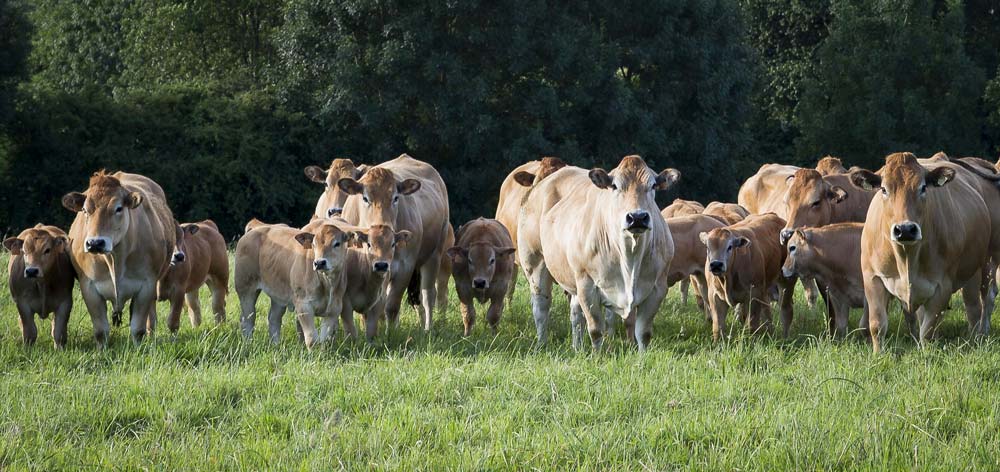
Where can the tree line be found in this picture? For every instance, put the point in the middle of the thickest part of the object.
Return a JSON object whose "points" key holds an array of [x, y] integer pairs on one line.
{"points": [[224, 102]]}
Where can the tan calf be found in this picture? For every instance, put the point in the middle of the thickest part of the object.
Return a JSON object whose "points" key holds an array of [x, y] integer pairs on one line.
{"points": [[815, 200], [832, 256], [40, 278], [743, 261], [681, 208], [483, 266], [830, 165], [689, 253], [199, 259], [728, 213]]}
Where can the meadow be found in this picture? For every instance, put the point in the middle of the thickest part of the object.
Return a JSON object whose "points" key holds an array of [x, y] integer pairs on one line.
{"points": [[209, 400]]}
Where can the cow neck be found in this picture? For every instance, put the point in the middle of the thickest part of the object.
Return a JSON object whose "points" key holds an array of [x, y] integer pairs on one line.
{"points": [[908, 261], [116, 262], [364, 264], [632, 251]]}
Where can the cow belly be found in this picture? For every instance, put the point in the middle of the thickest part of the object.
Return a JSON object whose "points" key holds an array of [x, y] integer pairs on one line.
{"points": [[127, 288]]}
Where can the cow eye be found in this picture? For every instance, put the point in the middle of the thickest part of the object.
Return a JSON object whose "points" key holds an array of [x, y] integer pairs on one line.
{"points": [[395, 199], [492, 261], [815, 204], [336, 244], [791, 248], [48, 250], [118, 209], [365, 199], [923, 189], [614, 187], [885, 192]]}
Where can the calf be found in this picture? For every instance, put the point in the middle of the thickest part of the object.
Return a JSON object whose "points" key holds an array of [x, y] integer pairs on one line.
{"points": [[689, 253], [743, 262], [727, 213], [830, 165], [832, 255], [483, 266], [40, 277], [681, 208], [199, 259]]}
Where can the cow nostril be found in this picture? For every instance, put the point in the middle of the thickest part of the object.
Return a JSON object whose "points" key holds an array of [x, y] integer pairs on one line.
{"points": [[786, 234], [319, 264], [479, 283], [31, 272], [334, 212], [715, 266], [381, 266]]}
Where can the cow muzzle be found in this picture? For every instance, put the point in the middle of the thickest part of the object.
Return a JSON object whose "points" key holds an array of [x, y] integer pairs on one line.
{"points": [[99, 245], [906, 232], [480, 284], [381, 267], [334, 212], [716, 267], [787, 271], [637, 222], [177, 258], [321, 265], [32, 272], [785, 235]]}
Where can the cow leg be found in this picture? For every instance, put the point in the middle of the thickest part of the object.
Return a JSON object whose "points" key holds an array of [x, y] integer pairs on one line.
{"points": [[972, 296], [930, 313], [60, 324], [512, 285], [394, 297], [176, 301], [590, 303], [248, 309], [443, 276], [540, 283], [428, 288], [194, 308], [989, 293], [718, 307], [701, 294], [786, 292], [274, 316], [372, 318], [644, 314], [840, 309], [685, 283], [142, 313], [812, 291], [307, 320], [577, 323], [327, 328], [97, 306], [347, 318], [495, 310], [878, 315], [467, 305], [26, 318], [760, 316]]}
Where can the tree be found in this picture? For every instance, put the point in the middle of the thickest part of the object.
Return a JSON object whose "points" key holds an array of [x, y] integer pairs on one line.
{"points": [[891, 76], [15, 35]]}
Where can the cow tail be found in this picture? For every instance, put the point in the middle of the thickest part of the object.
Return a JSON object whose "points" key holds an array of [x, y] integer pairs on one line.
{"points": [[413, 289]]}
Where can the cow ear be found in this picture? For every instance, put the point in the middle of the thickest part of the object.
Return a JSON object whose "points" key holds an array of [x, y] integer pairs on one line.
{"points": [[408, 186], [504, 251], [807, 237], [940, 176], [305, 239], [667, 179], [456, 253], [73, 201], [13, 245], [600, 178], [402, 236], [837, 194], [525, 179], [703, 236], [133, 200], [361, 236], [360, 170], [60, 242], [350, 186], [865, 179], [741, 242], [316, 174], [191, 229]]}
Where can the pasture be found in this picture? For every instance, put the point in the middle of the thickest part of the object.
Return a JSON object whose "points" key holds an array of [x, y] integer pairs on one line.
{"points": [[210, 400]]}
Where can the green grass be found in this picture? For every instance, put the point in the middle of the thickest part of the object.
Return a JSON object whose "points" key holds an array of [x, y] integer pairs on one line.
{"points": [[209, 400]]}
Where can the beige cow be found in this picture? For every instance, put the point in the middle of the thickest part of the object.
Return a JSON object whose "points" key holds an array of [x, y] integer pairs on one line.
{"points": [[40, 278], [728, 213], [200, 258], [688, 263], [830, 165], [681, 207], [295, 268], [743, 261], [816, 200], [331, 203], [831, 255], [597, 235], [483, 266], [121, 242]]}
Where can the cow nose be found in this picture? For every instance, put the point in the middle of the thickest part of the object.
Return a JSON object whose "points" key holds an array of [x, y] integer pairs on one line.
{"points": [[716, 267], [31, 272], [637, 219], [479, 283], [321, 264], [334, 212], [381, 266], [95, 245], [178, 257], [906, 231], [786, 234]]}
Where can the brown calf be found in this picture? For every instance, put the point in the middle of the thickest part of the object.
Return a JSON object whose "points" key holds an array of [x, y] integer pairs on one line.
{"points": [[40, 277], [200, 258], [483, 266]]}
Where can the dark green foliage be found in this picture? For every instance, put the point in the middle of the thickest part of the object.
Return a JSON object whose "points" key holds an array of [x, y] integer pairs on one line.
{"points": [[15, 34]]}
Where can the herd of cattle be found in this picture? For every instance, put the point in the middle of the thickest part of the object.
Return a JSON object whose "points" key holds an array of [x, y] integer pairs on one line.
{"points": [[917, 230]]}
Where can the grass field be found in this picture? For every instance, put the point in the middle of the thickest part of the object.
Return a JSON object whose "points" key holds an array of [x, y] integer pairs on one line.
{"points": [[208, 400]]}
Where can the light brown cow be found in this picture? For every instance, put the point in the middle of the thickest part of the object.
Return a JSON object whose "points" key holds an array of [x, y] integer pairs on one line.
{"points": [[199, 259], [689, 253], [815, 200], [121, 242], [513, 191], [40, 278], [728, 213], [929, 234], [830, 165], [743, 262], [295, 268], [682, 207], [597, 235], [404, 194], [832, 256], [331, 203], [483, 266]]}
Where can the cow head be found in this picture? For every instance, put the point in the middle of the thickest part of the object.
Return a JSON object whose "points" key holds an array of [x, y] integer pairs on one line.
{"points": [[380, 193], [903, 185], [39, 248], [327, 244], [481, 260], [107, 210], [830, 165], [810, 201], [721, 244], [547, 167], [183, 233], [633, 186], [800, 252], [331, 203], [380, 244]]}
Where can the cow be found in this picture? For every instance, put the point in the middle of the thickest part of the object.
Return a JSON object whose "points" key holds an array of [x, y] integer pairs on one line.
{"points": [[40, 278], [513, 191], [483, 267], [331, 203], [689, 253], [200, 258], [929, 233], [681, 207], [830, 165], [404, 194], [295, 268], [831, 255], [121, 242], [596, 234], [743, 261], [728, 213], [815, 200]]}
